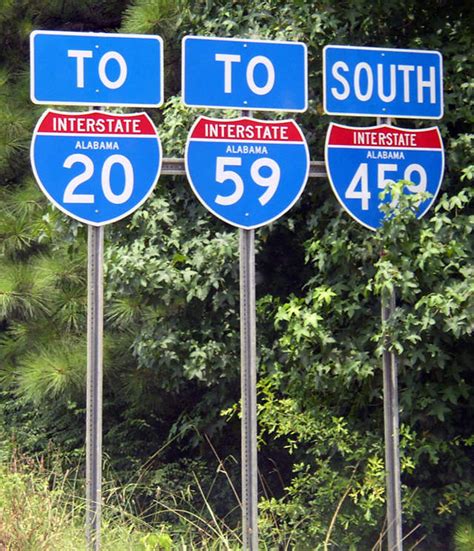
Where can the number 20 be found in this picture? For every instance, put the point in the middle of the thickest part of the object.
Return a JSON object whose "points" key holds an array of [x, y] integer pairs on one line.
{"points": [[70, 195], [271, 182]]}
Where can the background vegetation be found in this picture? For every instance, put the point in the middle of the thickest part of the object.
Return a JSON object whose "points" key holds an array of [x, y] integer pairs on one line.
{"points": [[171, 427]]}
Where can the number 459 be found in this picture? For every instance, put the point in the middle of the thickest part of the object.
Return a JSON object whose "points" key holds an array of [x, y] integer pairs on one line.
{"points": [[361, 181]]}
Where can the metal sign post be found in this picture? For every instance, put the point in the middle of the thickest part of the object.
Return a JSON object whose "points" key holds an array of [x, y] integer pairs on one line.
{"points": [[69, 68], [357, 172], [180, 167], [391, 429], [95, 297], [391, 426], [223, 163], [248, 385], [248, 173], [248, 376]]}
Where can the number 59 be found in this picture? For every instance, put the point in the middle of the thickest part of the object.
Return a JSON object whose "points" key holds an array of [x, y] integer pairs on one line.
{"points": [[271, 182]]}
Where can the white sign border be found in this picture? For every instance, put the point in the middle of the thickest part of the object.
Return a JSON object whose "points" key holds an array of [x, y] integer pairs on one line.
{"points": [[33, 99], [59, 206], [206, 206], [333, 187], [386, 115], [240, 107]]}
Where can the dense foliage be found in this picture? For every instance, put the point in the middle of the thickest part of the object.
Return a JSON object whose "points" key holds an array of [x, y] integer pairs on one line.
{"points": [[172, 304]]}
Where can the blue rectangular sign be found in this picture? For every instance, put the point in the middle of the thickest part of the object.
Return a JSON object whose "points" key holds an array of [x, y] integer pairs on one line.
{"points": [[383, 82], [96, 69], [244, 74]]}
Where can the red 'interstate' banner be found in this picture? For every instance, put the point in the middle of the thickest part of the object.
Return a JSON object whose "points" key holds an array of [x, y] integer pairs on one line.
{"points": [[384, 136], [246, 129], [97, 123]]}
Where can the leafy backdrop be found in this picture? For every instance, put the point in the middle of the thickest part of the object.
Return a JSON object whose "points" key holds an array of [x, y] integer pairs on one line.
{"points": [[172, 340]]}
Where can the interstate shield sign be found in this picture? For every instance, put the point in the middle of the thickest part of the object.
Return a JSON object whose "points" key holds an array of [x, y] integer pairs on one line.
{"points": [[361, 161]]}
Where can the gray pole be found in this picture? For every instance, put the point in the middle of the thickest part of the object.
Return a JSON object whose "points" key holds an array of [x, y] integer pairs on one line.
{"points": [[95, 296], [248, 378], [249, 390], [391, 427]]}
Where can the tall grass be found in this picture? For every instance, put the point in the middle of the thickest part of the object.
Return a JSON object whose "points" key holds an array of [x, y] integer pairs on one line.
{"points": [[44, 510], [35, 515]]}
